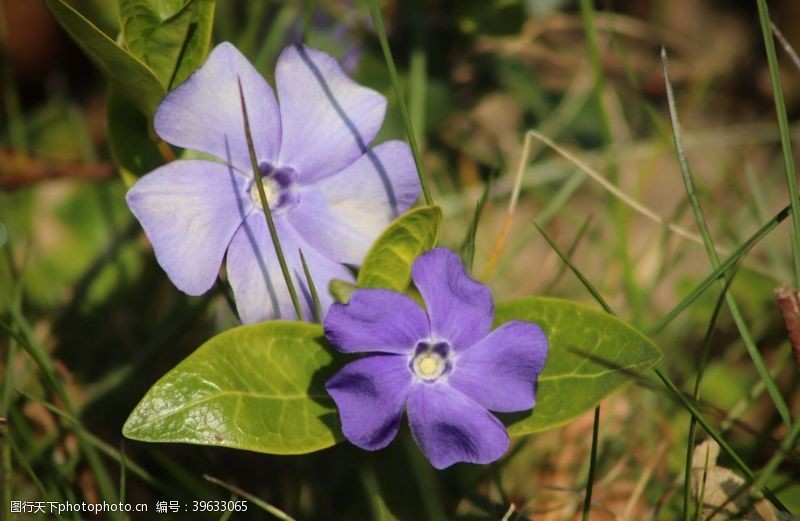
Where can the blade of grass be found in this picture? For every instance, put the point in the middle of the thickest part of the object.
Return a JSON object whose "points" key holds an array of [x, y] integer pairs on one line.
{"points": [[6, 470], [273, 233], [783, 125], [27, 340], [785, 44], [701, 367], [723, 268], [409, 128], [468, 244], [123, 471], [671, 387], [688, 181], [570, 252], [276, 512], [102, 446], [574, 269], [758, 201], [587, 500], [618, 212], [312, 288]]}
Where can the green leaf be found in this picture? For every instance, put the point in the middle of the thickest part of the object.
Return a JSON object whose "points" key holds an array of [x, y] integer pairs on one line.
{"points": [[388, 262], [171, 37], [341, 290], [129, 138], [592, 354], [257, 387], [132, 78]]}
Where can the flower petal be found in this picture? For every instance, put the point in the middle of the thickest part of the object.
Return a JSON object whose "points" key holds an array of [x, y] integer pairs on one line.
{"points": [[255, 276], [500, 371], [343, 213], [450, 427], [370, 394], [460, 309], [376, 320], [205, 112], [328, 119], [190, 210]]}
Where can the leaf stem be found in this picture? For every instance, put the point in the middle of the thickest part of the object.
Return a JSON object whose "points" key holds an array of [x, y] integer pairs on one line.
{"points": [[273, 233]]}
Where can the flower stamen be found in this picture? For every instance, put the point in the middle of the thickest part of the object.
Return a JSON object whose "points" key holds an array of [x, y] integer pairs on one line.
{"points": [[430, 361]]}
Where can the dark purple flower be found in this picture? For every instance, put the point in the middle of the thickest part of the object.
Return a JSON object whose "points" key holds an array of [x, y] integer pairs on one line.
{"points": [[444, 367], [330, 194]]}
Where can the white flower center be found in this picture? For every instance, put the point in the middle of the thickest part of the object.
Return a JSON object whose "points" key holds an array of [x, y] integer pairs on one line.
{"points": [[429, 365]]}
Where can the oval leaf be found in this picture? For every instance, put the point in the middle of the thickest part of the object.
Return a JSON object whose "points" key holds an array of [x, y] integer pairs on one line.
{"points": [[592, 354], [132, 78], [129, 140], [171, 38], [388, 262], [258, 387]]}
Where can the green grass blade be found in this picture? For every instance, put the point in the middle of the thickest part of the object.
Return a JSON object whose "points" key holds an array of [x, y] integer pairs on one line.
{"points": [[783, 125], [569, 253], [27, 340], [312, 288], [588, 285], [701, 367], [273, 233], [587, 500], [722, 269], [387, 54], [468, 245], [743, 467], [688, 181]]}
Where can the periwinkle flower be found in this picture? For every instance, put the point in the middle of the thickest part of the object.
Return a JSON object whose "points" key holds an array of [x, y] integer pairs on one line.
{"points": [[443, 367], [329, 193]]}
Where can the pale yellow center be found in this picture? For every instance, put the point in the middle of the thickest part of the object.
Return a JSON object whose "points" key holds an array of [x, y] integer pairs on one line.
{"points": [[429, 365], [270, 190]]}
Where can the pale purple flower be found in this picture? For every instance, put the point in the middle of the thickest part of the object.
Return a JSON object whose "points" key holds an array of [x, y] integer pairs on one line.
{"points": [[444, 368], [330, 194]]}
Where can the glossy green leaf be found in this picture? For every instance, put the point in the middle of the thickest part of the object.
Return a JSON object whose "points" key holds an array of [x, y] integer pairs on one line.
{"points": [[388, 262], [171, 36], [129, 140], [258, 387], [132, 78], [592, 354]]}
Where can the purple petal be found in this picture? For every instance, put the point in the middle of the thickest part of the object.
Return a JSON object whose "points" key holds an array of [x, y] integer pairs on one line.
{"points": [[450, 427], [342, 214], [500, 371], [376, 320], [370, 394], [328, 120], [256, 278], [205, 112], [190, 210], [460, 309]]}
